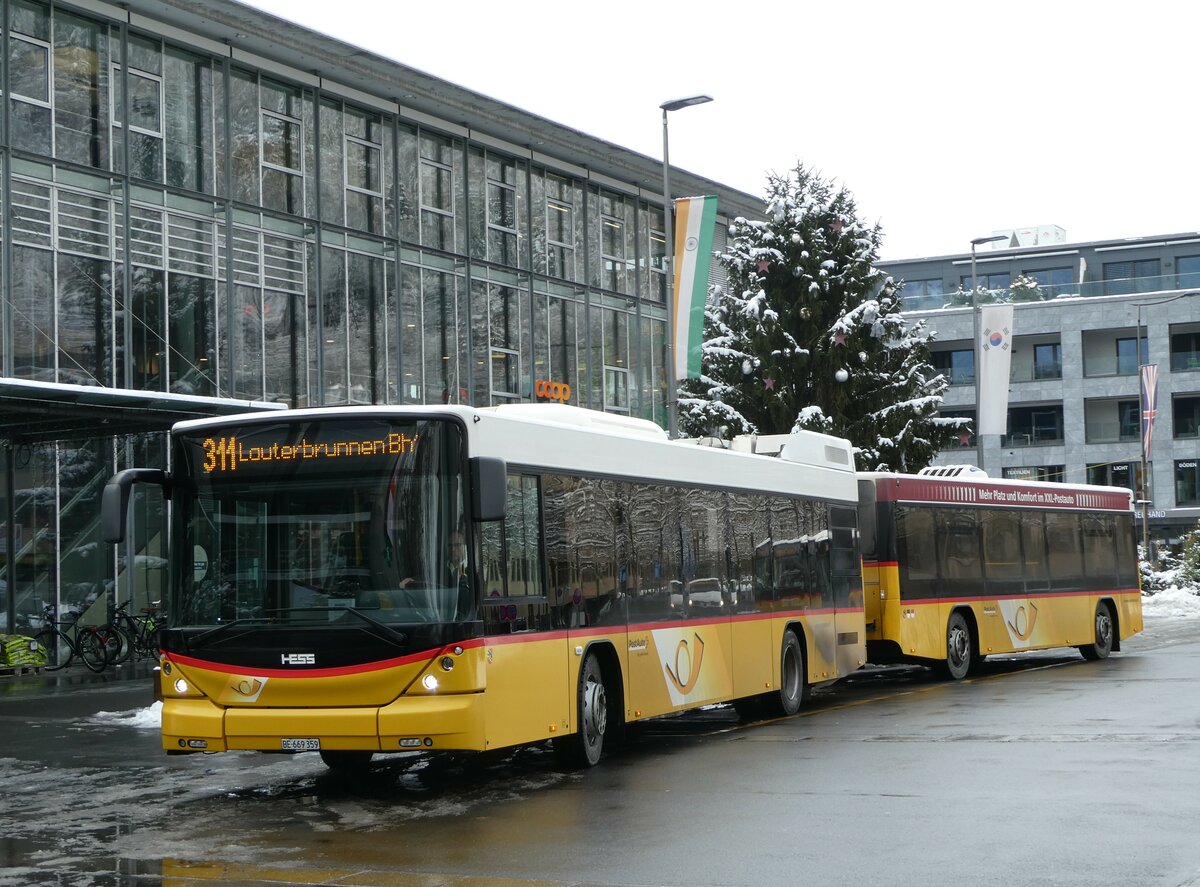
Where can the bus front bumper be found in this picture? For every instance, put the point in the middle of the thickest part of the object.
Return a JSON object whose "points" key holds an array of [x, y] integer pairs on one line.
{"points": [[450, 722]]}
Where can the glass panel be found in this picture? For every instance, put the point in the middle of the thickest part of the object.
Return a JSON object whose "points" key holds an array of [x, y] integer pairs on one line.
{"points": [[85, 314], [80, 90], [333, 326], [32, 300], [187, 86], [192, 313], [366, 329], [332, 172], [29, 69], [243, 131], [246, 338]]}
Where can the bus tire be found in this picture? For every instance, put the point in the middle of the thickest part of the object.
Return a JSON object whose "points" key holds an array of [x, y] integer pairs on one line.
{"points": [[793, 683], [583, 748], [346, 761], [1103, 632], [960, 649]]}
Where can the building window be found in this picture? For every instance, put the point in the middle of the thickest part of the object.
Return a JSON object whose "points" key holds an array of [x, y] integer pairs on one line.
{"points": [[437, 191], [1034, 426], [1047, 361], [282, 156], [560, 216], [59, 85], [1187, 273], [1187, 483], [1186, 416], [1056, 474], [616, 361], [1053, 281], [612, 244], [1111, 421], [923, 295], [144, 121], [366, 165], [655, 288], [1128, 356], [1119, 474], [1185, 350], [1132, 277], [957, 366], [996, 280]]}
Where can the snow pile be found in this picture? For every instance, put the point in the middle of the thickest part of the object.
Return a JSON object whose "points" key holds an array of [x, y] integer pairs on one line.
{"points": [[149, 718], [1171, 603]]}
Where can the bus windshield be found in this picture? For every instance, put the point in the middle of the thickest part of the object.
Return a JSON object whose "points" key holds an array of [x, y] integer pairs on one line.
{"points": [[318, 522]]}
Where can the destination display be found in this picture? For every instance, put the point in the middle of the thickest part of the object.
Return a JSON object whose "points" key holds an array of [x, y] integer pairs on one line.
{"points": [[228, 454]]}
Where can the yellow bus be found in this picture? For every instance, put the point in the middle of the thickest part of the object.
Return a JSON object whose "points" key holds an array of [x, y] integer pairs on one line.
{"points": [[959, 568], [380, 579]]}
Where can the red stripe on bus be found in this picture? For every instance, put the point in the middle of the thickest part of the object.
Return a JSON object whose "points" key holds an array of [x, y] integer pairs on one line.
{"points": [[363, 668]]}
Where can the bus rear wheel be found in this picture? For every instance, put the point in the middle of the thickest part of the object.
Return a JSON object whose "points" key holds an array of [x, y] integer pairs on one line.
{"points": [[793, 683], [960, 650], [584, 747], [1104, 635]]}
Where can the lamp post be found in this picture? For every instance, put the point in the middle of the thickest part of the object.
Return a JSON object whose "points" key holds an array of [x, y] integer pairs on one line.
{"points": [[1144, 498], [978, 351], [669, 262]]}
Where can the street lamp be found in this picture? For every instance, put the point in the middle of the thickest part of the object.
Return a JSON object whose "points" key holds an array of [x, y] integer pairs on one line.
{"points": [[978, 351], [1144, 499], [669, 263]]}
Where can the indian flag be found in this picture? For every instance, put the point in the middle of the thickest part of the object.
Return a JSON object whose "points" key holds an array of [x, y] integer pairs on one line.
{"points": [[695, 219]]}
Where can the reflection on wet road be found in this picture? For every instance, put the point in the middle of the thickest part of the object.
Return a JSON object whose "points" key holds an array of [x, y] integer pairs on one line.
{"points": [[700, 799]]}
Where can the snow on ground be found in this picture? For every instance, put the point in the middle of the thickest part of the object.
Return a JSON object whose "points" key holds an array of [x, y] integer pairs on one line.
{"points": [[149, 718], [1171, 603]]}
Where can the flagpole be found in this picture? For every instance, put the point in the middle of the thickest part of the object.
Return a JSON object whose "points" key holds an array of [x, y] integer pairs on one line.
{"points": [[977, 352], [1144, 404], [669, 262]]}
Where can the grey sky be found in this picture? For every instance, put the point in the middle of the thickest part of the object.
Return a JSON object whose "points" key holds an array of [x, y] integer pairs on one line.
{"points": [[946, 120]]}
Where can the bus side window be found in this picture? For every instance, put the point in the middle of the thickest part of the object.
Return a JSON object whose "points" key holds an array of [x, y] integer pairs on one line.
{"points": [[915, 551]]}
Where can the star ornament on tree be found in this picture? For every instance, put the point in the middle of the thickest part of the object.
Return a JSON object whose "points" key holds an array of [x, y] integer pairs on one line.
{"points": [[839, 339], [836, 226], [769, 383], [763, 265]]}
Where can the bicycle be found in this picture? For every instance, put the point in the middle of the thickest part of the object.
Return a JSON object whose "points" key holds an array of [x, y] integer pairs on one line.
{"points": [[134, 636], [86, 641]]}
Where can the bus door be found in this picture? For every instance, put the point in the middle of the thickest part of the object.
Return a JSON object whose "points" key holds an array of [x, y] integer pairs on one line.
{"points": [[846, 585]]}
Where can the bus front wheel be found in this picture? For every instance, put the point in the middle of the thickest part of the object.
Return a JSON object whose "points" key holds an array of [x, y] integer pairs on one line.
{"points": [[960, 652], [584, 747], [1104, 635]]}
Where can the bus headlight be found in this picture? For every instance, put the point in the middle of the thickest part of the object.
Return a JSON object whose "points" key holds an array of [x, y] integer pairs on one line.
{"points": [[181, 686], [429, 682]]}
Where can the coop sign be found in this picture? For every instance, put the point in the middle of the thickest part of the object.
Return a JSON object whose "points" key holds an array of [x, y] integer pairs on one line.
{"points": [[224, 455], [544, 389]]}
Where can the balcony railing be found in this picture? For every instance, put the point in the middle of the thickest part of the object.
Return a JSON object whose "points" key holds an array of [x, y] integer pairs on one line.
{"points": [[1157, 283], [1033, 439], [1110, 432], [1185, 360]]}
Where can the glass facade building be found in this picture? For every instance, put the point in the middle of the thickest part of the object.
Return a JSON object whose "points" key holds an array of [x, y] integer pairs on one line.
{"points": [[183, 216]]}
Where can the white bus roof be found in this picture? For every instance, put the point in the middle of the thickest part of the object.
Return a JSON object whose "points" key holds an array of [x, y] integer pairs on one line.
{"points": [[576, 440]]}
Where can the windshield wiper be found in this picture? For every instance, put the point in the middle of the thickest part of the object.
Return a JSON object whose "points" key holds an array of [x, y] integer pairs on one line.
{"points": [[382, 629], [220, 629]]}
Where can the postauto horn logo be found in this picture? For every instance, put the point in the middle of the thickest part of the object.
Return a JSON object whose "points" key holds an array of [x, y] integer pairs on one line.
{"points": [[544, 390]]}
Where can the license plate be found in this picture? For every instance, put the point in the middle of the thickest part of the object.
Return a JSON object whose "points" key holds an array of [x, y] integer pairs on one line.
{"points": [[301, 744]]}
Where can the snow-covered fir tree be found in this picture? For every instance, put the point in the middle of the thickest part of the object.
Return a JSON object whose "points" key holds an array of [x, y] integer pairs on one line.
{"points": [[807, 334]]}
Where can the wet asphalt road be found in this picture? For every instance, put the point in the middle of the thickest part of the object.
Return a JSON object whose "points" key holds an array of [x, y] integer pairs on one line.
{"points": [[1044, 770]]}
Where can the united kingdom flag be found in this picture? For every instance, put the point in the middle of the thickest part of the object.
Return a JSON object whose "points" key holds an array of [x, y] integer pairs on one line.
{"points": [[1149, 404]]}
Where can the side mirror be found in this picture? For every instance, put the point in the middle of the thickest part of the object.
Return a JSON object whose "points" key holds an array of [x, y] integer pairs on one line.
{"points": [[489, 487], [114, 504]]}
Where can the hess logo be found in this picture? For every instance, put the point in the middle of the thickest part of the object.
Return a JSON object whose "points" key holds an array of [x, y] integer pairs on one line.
{"points": [[544, 390], [298, 658]]}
